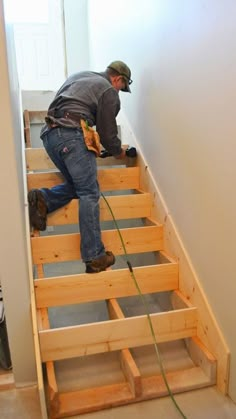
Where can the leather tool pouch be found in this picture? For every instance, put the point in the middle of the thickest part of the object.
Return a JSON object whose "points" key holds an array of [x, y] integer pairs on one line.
{"points": [[91, 138]]}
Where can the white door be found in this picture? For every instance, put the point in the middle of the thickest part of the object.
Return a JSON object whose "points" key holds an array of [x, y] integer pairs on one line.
{"points": [[39, 39]]}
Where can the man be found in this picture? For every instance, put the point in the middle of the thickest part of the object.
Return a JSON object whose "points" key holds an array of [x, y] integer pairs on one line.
{"points": [[86, 99]]}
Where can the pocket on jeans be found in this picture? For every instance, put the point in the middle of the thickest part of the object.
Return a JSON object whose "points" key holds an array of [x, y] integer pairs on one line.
{"points": [[67, 148]]}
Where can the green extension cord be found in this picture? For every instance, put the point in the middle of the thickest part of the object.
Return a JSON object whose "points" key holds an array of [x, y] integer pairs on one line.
{"points": [[147, 312]]}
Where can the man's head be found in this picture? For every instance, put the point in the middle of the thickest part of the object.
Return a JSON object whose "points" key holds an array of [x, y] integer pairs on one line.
{"points": [[120, 75]]}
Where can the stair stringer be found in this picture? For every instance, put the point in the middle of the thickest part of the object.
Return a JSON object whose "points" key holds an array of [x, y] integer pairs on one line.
{"points": [[208, 331]]}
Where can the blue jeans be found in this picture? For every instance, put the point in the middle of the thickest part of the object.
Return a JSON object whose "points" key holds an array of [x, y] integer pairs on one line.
{"points": [[67, 149]]}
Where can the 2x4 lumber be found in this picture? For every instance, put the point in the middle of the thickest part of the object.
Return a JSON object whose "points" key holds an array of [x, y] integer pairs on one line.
{"points": [[74, 289], [114, 309], [123, 207], [7, 381], [131, 372], [27, 128], [66, 247], [112, 335], [202, 357], [43, 323], [85, 401], [52, 386], [37, 117], [109, 179], [178, 300], [165, 257], [198, 352], [93, 399], [127, 361], [37, 159], [179, 381]]}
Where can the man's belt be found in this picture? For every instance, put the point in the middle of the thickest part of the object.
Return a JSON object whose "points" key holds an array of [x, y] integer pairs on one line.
{"points": [[57, 113], [91, 137]]}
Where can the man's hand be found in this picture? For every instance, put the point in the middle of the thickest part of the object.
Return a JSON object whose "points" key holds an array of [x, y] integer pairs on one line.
{"points": [[129, 152]]}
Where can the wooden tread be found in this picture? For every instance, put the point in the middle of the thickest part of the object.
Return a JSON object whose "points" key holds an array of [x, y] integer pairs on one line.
{"points": [[124, 178], [75, 289], [66, 247]]}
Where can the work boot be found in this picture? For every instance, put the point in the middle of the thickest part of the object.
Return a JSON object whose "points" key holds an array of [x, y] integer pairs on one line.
{"points": [[37, 210], [100, 264]]}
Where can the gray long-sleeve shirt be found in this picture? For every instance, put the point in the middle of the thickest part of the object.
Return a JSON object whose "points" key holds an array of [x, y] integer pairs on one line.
{"points": [[92, 96]]}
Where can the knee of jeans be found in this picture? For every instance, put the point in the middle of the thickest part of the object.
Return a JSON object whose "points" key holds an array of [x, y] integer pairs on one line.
{"points": [[89, 190], [93, 197]]}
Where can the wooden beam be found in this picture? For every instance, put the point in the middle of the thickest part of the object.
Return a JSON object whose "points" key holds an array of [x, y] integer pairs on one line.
{"points": [[7, 381], [52, 386], [179, 381], [123, 207], [109, 179], [37, 160], [198, 352], [74, 289], [127, 361], [112, 335], [66, 247], [114, 309], [98, 398], [93, 399], [178, 300], [202, 358], [27, 128], [131, 372], [44, 323], [37, 117]]}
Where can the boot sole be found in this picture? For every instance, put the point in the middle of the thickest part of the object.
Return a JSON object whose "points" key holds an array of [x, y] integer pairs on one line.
{"points": [[37, 210]]}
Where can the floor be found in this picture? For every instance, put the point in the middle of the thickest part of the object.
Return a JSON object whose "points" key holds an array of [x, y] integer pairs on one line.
{"points": [[199, 404]]}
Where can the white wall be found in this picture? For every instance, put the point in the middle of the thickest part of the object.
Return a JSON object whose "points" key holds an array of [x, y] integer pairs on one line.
{"points": [[182, 111], [37, 100], [76, 35], [13, 255]]}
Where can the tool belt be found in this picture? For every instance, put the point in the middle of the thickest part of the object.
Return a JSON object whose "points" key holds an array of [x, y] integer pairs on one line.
{"points": [[91, 137]]}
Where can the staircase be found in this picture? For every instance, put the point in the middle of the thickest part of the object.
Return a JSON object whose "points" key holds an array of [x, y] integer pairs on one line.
{"points": [[113, 358]]}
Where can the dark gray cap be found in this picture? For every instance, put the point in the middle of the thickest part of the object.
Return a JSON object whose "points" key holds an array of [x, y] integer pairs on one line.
{"points": [[124, 71]]}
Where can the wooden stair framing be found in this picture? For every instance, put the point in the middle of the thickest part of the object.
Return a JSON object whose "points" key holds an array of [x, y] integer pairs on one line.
{"points": [[135, 198], [30, 118]]}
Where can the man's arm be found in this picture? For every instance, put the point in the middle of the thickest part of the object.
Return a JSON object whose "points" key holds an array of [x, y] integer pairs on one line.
{"points": [[108, 108]]}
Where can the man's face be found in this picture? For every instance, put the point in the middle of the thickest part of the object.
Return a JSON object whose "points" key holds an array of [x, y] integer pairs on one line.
{"points": [[118, 82]]}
